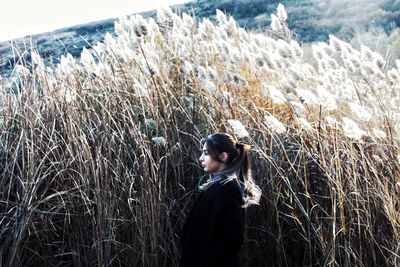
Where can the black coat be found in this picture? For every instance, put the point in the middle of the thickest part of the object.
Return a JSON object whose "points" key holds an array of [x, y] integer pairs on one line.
{"points": [[213, 233]]}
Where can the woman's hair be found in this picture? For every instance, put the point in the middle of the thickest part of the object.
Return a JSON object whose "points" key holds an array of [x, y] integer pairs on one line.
{"points": [[237, 165]]}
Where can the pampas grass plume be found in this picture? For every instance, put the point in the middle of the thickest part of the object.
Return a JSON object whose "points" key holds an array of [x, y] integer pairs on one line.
{"points": [[238, 128]]}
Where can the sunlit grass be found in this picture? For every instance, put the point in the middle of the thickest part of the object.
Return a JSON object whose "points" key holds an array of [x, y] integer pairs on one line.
{"points": [[99, 155]]}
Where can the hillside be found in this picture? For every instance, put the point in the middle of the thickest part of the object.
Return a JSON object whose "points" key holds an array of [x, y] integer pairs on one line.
{"points": [[310, 21]]}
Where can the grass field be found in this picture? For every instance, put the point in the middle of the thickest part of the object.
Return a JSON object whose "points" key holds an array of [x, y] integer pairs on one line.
{"points": [[99, 156]]}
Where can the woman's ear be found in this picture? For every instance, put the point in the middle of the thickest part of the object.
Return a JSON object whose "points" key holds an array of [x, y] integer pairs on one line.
{"points": [[224, 156]]}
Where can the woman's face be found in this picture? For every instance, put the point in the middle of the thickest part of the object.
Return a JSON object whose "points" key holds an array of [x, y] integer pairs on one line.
{"points": [[209, 164]]}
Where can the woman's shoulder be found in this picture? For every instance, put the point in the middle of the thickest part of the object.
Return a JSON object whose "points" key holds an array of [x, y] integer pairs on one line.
{"points": [[228, 184]]}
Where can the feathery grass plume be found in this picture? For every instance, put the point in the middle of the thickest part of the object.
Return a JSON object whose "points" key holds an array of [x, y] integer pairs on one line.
{"points": [[284, 49], [332, 122], [150, 124], [226, 99], [67, 65], [276, 24], [297, 50], [366, 53], [352, 130], [36, 58], [139, 26], [87, 60], [21, 71], [221, 17], [281, 12], [140, 90], [164, 14], [360, 112], [379, 133], [394, 76], [304, 124], [274, 124], [238, 128], [231, 28], [318, 53], [326, 99], [276, 96], [159, 140], [188, 21], [206, 30], [307, 96], [212, 74], [351, 62], [335, 43]]}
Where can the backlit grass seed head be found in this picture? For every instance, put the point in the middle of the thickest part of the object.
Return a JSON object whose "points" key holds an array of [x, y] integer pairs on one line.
{"points": [[276, 24], [36, 59], [187, 68], [21, 70], [318, 53], [304, 124], [360, 112], [296, 73], [379, 61], [276, 96], [221, 17], [243, 35], [284, 49], [306, 96], [352, 130], [140, 90], [332, 122], [139, 26], [210, 87], [231, 28], [159, 140], [326, 48], [188, 21], [164, 14], [274, 124], [335, 43], [296, 48], [226, 97], [393, 76], [271, 60], [281, 12], [206, 30], [200, 72], [298, 107], [150, 124], [67, 64], [326, 99], [238, 128], [368, 69], [378, 133], [366, 53], [87, 59], [211, 73]]}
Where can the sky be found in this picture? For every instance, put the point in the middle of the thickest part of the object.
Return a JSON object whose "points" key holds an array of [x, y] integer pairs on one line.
{"points": [[28, 17]]}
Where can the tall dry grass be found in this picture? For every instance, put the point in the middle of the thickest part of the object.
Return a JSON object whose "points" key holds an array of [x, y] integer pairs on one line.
{"points": [[99, 157]]}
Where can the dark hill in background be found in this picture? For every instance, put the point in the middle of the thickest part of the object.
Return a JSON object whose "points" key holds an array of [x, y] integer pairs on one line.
{"points": [[310, 20]]}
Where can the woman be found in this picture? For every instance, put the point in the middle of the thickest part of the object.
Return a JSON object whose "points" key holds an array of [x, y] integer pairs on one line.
{"points": [[214, 231]]}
